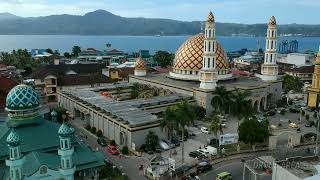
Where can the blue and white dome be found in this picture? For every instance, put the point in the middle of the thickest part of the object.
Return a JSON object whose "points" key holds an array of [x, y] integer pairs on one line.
{"points": [[65, 130], [22, 97], [13, 138]]}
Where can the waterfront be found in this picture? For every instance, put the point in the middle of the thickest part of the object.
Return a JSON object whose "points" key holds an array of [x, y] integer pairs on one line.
{"points": [[135, 43]]}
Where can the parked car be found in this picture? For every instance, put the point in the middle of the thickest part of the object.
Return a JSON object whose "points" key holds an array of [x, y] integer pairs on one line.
{"points": [[113, 150], [213, 141], [211, 150], [164, 145], [204, 167], [204, 130], [203, 152], [309, 124], [171, 145], [310, 135], [102, 142], [293, 125], [294, 110], [175, 141], [197, 155], [270, 113]]}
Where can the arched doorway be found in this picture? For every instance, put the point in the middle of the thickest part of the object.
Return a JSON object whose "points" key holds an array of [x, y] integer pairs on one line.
{"points": [[123, 139], [256, 105], [262, 102]]}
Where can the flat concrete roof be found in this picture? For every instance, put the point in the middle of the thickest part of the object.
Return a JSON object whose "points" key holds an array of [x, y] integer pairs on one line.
{"points": [[302, 167], [129, 112], [231, 84]]}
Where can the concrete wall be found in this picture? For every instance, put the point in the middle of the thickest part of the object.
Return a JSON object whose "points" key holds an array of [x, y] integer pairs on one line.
{"points": [[280, 173]]}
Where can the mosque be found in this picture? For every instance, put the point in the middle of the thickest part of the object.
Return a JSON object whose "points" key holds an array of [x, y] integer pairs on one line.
{"points": [[34, 148], [201, 64]]}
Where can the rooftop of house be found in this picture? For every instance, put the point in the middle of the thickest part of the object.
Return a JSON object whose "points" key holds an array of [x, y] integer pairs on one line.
{"points": [[302, 167], [302, 69]]}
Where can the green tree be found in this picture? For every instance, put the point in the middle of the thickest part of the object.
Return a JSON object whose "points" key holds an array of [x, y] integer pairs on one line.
{"points": [[185, 116], [151, 140], [56, 52], [20, 58], [199, 111], [291, 83], [49, 51], [61, 114], [215, 124], [125, 150], [167, 121], [134, 90], [164, 58], [221, 99], [67, 55], [252, 131], [75, 51], [241, 105]]}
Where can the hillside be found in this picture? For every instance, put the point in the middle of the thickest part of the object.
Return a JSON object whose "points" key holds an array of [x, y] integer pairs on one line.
{"points": [[102, 22]]}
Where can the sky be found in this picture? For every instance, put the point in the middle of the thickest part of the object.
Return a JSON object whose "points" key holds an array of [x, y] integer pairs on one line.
{"points": [[235, 11]]}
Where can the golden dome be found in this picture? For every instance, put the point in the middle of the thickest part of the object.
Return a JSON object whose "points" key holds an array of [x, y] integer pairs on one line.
{"points": [[189, 55], [272, 21], [140, 64], [210, 17]]}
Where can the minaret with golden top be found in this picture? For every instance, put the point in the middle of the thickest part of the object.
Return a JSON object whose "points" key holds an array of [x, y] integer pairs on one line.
{"points": [[208, 74], [269, 69], [314, 90]]}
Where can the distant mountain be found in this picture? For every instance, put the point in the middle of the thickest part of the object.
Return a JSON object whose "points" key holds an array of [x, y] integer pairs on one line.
{"points": [[8, 16], [102, 22]]}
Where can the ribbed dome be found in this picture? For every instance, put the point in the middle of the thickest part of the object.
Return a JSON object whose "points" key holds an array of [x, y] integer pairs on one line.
{"points": [[140, 64], [210, 17], [272, 21], [22, 97], [65, 130], [189, 55], [13, 138]]}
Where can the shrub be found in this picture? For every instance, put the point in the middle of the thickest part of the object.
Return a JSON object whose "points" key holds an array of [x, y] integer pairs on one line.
{"points": [[93, 130], [99, 133], [88, 127], [113, 143], [125, 150], [289, 121]]}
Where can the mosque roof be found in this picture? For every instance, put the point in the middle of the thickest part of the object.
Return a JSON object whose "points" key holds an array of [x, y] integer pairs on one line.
{"points": [[13, 138], [189, 55], [140, 64], [22, 97], [210, 17], [272, 21]]}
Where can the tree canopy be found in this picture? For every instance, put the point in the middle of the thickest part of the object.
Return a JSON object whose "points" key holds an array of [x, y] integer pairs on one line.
{"points": [[252, 131], [20, 58], [164, 58], [291, 83], [151, 140], [76, 50]]}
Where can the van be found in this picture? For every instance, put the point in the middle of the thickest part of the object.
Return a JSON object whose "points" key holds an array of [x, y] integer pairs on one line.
{"points": [[224, 176], [204, 130], [212, 150]]}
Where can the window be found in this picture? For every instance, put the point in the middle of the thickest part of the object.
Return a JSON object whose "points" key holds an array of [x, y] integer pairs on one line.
{"points": [[271, 45], [17, 174], [272, 33], [67, 163], [271, 56], [209, 33], [190, 72], [205, 45], [209, 48], [43, 170], [209, 65]]}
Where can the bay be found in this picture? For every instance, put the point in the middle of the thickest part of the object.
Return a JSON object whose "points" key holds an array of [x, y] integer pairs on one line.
{"points": [[64, 43]]}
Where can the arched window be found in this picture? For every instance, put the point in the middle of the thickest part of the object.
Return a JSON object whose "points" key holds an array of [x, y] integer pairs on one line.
{"points": [[209, 65], [272, 33], [209, 48], [271, 57], [43, 170], [209, 33], [271, 44]]}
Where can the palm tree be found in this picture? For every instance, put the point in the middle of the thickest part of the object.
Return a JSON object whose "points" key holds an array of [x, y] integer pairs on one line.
{"points": [[167, 121], [185, 116], [215, 124], [241, 105], [221, 99], [135, 90], [152, 140]]}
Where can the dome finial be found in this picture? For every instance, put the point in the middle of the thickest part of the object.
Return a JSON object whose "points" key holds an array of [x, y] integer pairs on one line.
{"points": [[13, 138], [210, 17]]}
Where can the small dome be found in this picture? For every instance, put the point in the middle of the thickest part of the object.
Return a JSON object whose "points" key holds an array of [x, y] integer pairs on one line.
{"points": [[140, 64], [189, 55], [54, 113], [65, 130], [22, 97], [13, 138], [210, 17], [272, 21]]}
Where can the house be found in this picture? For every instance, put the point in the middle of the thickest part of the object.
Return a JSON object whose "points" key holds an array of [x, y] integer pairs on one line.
{"points": [[6, 85]]}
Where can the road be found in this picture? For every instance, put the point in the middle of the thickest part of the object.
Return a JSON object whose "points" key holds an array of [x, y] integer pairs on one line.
{"points": [[235, 167], [128, 165]]}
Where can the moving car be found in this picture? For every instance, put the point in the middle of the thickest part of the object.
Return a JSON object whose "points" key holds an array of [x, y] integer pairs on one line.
{"points": [[204, 167], [102, 141], [113, 150], [197, 155], [224, 176], [204, 130]]}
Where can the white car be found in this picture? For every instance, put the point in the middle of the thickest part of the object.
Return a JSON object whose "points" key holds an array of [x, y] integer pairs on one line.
{"points": [[163, 145], [204, 130]]}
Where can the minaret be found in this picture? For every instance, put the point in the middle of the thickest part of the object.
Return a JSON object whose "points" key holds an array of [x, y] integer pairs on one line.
{"points": [[54, 116], [269, 69], [16, 160], [208, 74], [65, 151], [314, 90]]}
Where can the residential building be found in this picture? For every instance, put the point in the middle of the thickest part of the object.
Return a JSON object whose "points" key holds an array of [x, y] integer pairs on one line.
{"points": [[297, 59], [6, 84], [304, 73], [112, 56], [247, 59]]}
